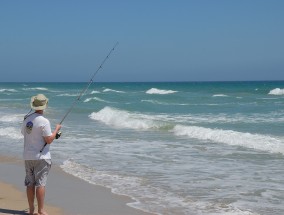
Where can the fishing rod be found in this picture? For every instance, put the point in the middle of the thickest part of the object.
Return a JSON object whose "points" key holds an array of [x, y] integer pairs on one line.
{"points": [[88, 85], [84, 90]]}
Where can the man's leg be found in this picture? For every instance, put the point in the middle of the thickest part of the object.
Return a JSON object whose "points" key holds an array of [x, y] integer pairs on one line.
{"points": [[41, 172], [31, 198], [40, 194]]}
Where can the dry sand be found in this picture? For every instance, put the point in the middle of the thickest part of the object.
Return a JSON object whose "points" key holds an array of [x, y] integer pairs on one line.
{"points": [[12, 201], [65, 194]]}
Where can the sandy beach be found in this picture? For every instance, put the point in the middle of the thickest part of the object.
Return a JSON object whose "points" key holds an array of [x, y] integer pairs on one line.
{"points": [[65, 194], [12, 201]]}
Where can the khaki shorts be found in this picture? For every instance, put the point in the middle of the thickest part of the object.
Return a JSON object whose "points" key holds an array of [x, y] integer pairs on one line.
{"points": [[36, 172]]}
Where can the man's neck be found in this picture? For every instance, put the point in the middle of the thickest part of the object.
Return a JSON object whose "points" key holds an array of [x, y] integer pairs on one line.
{"points": [[39, 111]]}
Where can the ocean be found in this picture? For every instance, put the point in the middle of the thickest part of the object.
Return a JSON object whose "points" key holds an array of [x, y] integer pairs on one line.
{"points": [[175, 148]]}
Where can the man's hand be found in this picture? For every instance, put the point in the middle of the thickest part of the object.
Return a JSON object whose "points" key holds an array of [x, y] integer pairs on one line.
{"points": [[50, 138]]}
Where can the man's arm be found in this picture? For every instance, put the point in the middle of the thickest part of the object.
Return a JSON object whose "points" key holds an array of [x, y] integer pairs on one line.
{"points": [[49, 139]]}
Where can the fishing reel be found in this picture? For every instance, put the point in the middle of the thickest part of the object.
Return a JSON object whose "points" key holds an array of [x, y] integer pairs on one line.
{"points": [[58, 134]]}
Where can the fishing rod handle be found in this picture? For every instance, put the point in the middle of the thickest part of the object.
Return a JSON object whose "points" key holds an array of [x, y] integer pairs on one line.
{"points": [[58, 134], [43, 148]]}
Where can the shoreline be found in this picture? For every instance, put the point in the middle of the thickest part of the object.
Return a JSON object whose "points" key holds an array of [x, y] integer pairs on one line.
{"points": [[65, 194]]}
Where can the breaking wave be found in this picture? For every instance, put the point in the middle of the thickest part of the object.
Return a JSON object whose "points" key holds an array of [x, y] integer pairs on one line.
{"points": [[11, 132], [95, 92], [96, 99], [124, 119], [161, 103], [36, 88], [67, 94], [277, 92], [12, 118], [248, 140], [110, 90], [8, 90], [219, 95], [158, 91]]}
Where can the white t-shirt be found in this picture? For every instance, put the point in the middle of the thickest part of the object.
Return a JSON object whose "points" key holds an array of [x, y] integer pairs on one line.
{"points": [[34, 128]]}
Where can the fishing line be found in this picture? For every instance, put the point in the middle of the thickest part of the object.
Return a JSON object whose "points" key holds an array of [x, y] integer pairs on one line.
{"points": [[83, 91], [88, 85]]}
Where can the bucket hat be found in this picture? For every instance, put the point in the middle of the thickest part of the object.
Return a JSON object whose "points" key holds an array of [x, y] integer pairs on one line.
{"points": [[39, 102]]}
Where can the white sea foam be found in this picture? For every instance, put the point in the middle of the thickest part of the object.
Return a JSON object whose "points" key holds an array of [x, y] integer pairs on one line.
{"points": [[36, 88], [147, 198], [96, 99], [232, 118], [161, 103], [277, 92], [95, 92], [220, 95], [248, 140], [8, 90], [111, 90], [124, 119], [11, 132], [158, 91], [11, 118], [68, 94], [88, 99], [11, 99], [153, 102]]}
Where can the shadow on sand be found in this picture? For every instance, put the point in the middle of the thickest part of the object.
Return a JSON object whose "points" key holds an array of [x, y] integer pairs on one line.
{"points": [[9, 211]]}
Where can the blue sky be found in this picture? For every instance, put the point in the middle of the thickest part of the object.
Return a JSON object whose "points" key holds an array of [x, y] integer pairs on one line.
{"points": [[159, 40]]}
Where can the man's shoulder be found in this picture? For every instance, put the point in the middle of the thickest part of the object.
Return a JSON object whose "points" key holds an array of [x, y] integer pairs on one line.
{"points": [[42, 119]]}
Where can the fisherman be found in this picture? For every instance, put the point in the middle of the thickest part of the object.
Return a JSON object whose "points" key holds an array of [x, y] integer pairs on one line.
{"points": [[37, 132]]}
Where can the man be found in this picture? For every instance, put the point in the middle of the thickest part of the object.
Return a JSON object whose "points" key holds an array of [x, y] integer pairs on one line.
{"points": [[37, 132]]}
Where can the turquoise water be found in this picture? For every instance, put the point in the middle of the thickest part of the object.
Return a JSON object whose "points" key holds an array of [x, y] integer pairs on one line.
{"points": [[175, 148]]}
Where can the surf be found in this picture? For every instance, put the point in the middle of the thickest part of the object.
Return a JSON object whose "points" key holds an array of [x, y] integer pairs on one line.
{"points": [[276, 92], [8, 90], [10, 132], [233, 138], [111, 90], [11, 118], [122, 119], [159, 91], [96, 99], [36, 88]]}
